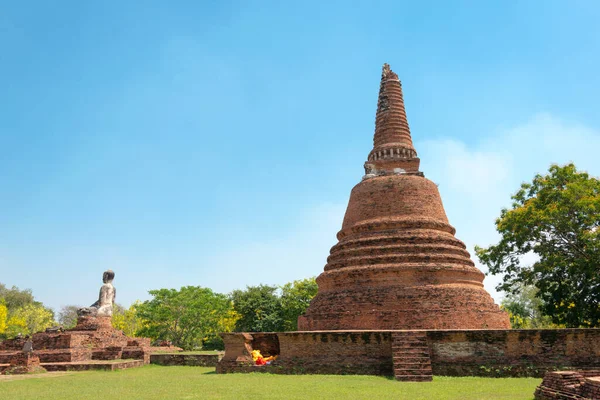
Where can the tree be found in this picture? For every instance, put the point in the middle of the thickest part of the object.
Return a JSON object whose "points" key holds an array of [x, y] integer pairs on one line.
{"points": [[295, 299], [259, 308], [525, 309], [23, 314], [186, 317], [128, 319], [3, 317], [67, 316], [36, 316], [557, 218], [15, 298]]}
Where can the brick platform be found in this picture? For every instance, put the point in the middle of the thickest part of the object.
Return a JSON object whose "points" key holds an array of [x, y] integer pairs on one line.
{"points": [[93, 339], [450, 352]]}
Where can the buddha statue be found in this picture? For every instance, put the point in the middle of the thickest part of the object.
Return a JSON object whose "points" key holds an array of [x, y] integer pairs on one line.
{"points": [[103, 306]]}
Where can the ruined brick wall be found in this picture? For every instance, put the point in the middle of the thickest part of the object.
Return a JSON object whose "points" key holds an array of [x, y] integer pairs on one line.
{"points": [[190, 360], [513, 352], [364, 353], [452, 353]]}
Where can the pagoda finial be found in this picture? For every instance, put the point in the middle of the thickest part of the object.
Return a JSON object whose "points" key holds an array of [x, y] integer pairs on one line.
{"points": [[391, 125], [393, 149]]}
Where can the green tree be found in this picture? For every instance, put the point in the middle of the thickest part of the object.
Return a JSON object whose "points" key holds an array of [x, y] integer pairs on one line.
{"points": [[15, 298], [259, 308], [67, 316], [295, 299], [557, 218], [186, 317], [525, 309]]}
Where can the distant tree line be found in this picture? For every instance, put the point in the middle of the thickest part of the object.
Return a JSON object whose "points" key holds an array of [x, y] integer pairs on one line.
{"points": [[191, 317]]}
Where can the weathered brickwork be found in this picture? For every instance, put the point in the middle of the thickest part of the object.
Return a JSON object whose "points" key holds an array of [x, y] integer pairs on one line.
{"points": [[23, 363], [570, 385], [453, 353], [513, 352], [91, 339], [397, 264], [190, 360]]}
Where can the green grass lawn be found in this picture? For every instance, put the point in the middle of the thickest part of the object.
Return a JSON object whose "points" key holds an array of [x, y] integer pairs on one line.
{"points": [[156, 382]]}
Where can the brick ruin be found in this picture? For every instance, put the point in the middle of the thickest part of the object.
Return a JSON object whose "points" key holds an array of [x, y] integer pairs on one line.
{"points": [[570, 385], [397, 264], [416, 355], [86, 346]]}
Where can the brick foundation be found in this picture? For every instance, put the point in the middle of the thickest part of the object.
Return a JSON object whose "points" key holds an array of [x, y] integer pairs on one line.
{"points": [[23, 363], [190, 360], [450, 352], [92, 339]]}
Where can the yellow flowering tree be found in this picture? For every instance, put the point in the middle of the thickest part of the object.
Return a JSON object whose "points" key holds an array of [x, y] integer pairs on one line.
{"points": [[3, 317], [128, 319]]}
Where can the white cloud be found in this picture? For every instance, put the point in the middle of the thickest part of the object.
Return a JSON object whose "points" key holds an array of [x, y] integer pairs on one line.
{"points": [[477, 181]]}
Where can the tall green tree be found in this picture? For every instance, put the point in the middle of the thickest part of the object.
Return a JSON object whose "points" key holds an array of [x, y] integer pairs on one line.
{"points": [[186, 317], [259, 308], [295, 299], [557, 218]]}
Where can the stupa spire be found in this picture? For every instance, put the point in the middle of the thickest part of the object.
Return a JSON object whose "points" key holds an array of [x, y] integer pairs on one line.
{"points": [[391, 125], [393, 151]]}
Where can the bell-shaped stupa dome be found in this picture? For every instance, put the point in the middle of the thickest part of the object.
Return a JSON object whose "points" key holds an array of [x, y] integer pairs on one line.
{"points": [[397, 264]]}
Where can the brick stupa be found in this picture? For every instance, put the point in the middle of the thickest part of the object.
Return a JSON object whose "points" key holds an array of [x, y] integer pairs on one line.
{"points": [[397, 264]]}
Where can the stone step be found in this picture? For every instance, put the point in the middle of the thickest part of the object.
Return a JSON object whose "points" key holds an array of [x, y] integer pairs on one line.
{"points": [[410, 362], [411, 357], [410, 343], [412, 369], [408, 347]]}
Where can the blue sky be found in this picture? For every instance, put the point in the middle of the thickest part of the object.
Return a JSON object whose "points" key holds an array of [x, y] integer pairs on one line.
{"points": [[216, 143]]}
